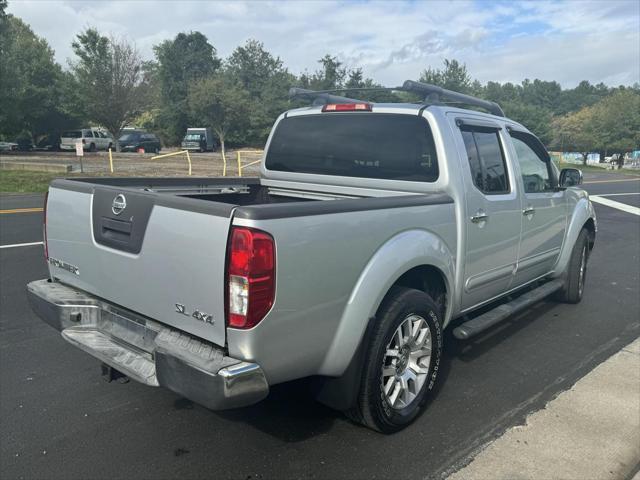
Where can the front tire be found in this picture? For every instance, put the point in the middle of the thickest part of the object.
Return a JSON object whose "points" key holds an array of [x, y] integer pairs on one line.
{"points": [[577, 272], [401, 364]]}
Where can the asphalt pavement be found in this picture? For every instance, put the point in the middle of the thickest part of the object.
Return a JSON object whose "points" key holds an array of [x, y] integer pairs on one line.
{"points": [[58, 419]]}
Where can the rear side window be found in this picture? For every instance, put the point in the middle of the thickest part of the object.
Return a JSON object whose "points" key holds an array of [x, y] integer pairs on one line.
{"points": [[72, 134], [486, 160], [367, 145]]}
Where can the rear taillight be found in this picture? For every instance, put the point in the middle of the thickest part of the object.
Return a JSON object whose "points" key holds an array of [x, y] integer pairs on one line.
{"points": [[347, 107], [44, 226], [250, 278]]}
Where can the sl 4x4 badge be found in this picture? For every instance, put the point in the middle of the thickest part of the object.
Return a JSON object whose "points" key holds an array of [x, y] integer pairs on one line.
{"points": [[197, 314]]}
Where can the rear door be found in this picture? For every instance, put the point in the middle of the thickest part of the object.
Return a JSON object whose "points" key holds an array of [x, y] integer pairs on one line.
{"points": [[492, 220], [544, 208], [159, 255]]}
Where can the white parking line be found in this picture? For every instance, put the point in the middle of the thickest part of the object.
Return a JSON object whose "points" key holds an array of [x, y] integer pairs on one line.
{"points": [[613, 204], [15, 245], [617, 194]]}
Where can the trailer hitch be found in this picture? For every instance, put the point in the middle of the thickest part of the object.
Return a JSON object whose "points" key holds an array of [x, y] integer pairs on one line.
{"points": [[109, 374]]}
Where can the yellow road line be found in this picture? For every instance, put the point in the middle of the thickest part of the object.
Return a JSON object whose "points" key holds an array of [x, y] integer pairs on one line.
{"points": [[613, 181], [21, 210]]}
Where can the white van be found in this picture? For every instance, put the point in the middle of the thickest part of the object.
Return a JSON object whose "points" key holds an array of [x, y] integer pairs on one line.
{"points": [[92, 139]]}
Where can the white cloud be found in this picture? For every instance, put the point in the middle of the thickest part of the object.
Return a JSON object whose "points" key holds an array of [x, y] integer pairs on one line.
{"points": [[391, 41]]}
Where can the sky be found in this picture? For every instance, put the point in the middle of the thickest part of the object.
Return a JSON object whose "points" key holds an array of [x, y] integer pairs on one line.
{"points": [[566, 41]]}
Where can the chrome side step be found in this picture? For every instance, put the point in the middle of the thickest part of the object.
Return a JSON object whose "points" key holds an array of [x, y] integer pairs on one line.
{"points": [[487, 320], [135, 365]]}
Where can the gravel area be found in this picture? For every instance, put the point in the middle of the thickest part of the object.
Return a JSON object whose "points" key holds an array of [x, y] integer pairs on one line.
{"points": [[136, 164]]}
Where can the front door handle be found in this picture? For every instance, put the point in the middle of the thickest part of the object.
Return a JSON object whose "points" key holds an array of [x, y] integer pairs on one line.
{"points": [[480, 216], [529, 211]]}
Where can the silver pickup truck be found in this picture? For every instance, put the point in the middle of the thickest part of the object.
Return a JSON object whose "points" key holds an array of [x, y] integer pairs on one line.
{"points": [[371, 229]]}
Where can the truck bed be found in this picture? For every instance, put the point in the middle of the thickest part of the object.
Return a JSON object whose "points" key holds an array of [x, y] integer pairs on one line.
{"points": [[167, 246]]}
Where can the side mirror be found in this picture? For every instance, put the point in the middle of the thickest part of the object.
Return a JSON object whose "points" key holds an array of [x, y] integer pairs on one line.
{"points": [[570, 177]]}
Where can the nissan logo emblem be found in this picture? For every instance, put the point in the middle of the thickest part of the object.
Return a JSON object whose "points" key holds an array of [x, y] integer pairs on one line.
{"points": [[119, 204]]}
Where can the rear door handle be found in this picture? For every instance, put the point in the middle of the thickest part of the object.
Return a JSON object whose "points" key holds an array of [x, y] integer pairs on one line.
{"points": [[480, 216], [529, 211]]}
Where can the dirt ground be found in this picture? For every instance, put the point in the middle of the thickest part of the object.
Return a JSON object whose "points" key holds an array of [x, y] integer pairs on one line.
{"points": [[136, 164]]}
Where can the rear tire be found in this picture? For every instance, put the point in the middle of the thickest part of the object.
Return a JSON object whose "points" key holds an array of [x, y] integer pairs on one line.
{"points": [[577, 271], [398, 373]]}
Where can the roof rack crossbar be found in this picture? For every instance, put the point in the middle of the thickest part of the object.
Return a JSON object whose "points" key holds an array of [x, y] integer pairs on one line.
{"points": [[320, 97], [432, 94]]}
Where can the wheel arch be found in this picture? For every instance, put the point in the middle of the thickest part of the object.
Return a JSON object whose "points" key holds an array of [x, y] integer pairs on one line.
{"points": [[590, 226], [582, 217], [416, 259]]}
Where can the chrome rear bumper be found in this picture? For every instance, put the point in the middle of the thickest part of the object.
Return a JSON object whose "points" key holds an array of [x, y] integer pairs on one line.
{"points": [[148, 351]]}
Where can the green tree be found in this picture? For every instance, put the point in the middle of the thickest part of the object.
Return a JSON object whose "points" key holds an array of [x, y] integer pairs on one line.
{"points": [[539, 93], [108, 77], [222, 105], [616, 121], [574, 132], [31, 82], [267, 82], [330, 76], [611, 125], [356, 80], [535, 118], [454, 76], [182, 61], [583, 95]]}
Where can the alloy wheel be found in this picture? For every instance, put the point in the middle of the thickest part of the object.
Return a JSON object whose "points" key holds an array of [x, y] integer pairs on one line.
{"points": [[406, 361]]}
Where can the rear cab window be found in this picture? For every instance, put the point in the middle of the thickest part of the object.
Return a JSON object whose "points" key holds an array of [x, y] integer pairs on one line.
{"points": [[365, 145]]}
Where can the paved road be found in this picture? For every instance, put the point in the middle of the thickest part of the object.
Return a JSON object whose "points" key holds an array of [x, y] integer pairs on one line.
{"points": [[60, 420]]}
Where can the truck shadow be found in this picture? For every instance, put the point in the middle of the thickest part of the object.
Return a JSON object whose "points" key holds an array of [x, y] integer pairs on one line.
{"points": [[289, 413], [470, 350]]}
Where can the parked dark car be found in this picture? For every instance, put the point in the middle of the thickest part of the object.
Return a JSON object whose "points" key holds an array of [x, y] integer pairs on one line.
{"points": [[25, 144], [134, 141], [49, 143]]}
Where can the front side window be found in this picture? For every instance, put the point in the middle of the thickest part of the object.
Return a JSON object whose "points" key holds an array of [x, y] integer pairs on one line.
{"points": [[535, 169], [486, 160], [366, 145]]}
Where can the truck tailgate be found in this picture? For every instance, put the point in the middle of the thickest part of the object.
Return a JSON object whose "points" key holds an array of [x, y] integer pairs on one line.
{"points": [[161, 256]]}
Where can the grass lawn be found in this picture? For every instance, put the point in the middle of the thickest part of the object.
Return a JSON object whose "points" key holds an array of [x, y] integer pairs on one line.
{"points": [[25, 181]]}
